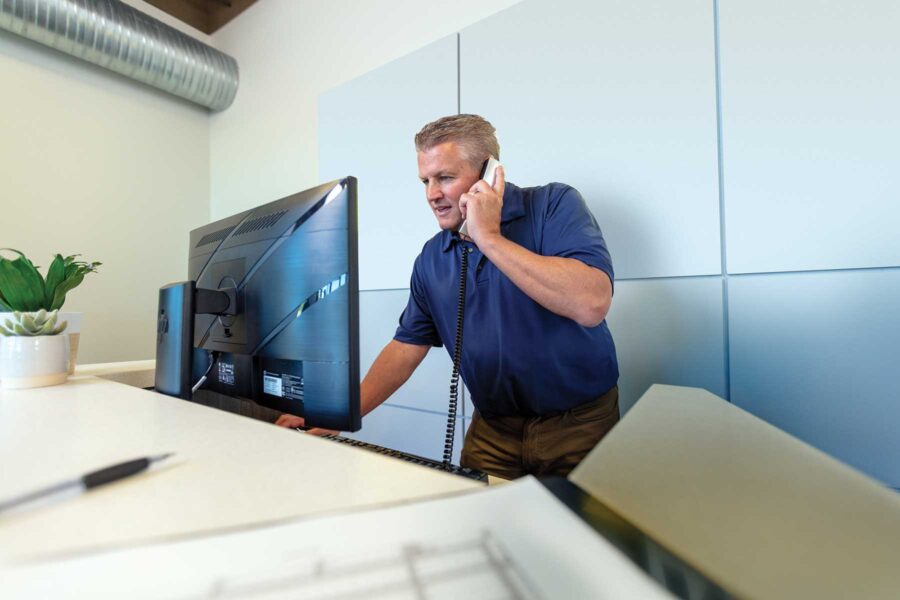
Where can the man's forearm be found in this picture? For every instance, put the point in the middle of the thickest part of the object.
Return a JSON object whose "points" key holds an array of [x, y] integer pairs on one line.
{"points": [[391, 369], [565, 286]]}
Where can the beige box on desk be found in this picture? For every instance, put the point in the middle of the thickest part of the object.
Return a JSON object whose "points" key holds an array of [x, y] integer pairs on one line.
{"points": [[763, 513]]}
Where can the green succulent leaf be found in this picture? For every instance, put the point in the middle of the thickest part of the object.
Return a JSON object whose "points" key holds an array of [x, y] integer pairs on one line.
{"points": [[23, 288], [22, 285], [14, 251], [33, 278], [4, 303], [33, 324], [55, 275], [76, 267], [29, 323], [59, 296], [21, 330], [47, 328], [70, 270]]}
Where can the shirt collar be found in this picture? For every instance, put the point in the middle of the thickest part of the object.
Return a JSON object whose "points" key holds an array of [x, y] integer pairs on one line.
{"points": [[513, 208]]}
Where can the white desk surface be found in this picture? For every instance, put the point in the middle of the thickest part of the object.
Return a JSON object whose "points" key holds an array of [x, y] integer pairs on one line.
{"points": [[229, 471], [757, 510]]}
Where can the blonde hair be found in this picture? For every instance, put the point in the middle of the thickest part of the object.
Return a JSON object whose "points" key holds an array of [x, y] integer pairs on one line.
{"points": [[476, 137]]}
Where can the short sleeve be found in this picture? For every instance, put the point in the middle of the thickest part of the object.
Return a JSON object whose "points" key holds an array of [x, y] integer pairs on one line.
{"points": [[416, 323], [570, 231]]}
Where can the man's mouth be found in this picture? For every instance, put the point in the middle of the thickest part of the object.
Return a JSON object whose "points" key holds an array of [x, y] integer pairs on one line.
{"points": [[442, 211]]}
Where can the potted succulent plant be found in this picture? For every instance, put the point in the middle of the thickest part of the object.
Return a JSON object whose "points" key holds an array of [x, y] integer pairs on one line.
{"points": [[23, 289], [32, 351]]}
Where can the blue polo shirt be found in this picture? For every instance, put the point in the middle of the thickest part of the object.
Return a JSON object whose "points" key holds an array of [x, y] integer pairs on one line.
{"points": [[518, 358]]}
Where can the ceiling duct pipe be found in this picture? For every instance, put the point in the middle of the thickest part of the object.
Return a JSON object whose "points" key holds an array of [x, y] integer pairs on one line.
{"points": [[115, 36]]}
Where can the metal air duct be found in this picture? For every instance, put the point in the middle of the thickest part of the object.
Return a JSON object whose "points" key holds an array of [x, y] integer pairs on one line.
{"points": [[115, 36]]}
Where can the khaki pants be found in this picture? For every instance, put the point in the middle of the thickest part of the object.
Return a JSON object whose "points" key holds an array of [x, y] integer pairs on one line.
{"points": [[510, 447]]}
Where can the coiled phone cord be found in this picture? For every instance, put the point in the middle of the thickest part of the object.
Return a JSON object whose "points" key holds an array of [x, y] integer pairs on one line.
{"points": [[457, 357]]}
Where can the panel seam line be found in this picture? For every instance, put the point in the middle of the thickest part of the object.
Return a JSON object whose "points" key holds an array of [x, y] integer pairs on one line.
{"points": [[720, 152]]}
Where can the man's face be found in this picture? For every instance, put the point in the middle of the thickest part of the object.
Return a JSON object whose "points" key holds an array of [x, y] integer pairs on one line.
{"points": [[447, 176]]}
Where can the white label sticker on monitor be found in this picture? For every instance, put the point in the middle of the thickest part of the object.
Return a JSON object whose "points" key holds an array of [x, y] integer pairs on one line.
{"points": [[226, 372], [272, 384]]}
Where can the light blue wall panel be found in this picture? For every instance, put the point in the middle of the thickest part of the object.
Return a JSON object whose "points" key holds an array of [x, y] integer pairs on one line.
{"points": [[619, 100], [668, 331], [429, 386], [468, 407], [366, 129], [817, 354], [413, 431], [810, 130]]}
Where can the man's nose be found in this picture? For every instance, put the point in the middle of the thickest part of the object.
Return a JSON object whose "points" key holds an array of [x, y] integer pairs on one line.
{"points": [[433, 191]]}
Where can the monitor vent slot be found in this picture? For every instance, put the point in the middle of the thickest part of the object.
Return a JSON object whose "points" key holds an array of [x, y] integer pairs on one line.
{"points": [[258, 223], [215, 236]]}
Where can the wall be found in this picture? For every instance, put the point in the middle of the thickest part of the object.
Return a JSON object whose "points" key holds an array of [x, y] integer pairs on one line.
{"points": [[97, 164], [266, 145], [741, 160]]}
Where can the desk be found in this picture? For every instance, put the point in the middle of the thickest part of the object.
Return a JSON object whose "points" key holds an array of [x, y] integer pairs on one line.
{"points": [[760, 512], [234, 471]]}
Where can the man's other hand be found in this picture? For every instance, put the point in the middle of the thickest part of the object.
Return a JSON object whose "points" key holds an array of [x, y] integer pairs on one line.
{"points": [[293, 422]]}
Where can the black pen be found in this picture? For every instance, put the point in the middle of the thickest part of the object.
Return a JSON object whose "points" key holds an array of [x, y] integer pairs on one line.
{"points": [[88, 481]]}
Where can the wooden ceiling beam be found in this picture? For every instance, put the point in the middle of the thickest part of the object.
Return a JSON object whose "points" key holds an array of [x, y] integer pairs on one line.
{"points": [[206, 15], [225, 10]]}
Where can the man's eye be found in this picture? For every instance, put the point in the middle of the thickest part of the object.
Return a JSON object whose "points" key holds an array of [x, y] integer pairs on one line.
{"points": [[445, 178]]}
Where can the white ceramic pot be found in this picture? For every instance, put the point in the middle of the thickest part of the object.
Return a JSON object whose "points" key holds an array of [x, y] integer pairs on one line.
{"points": [[29, 362], [73, 330]]}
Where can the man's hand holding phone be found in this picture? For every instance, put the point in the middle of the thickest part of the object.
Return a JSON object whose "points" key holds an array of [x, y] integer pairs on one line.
{"points": [[481, 206]]}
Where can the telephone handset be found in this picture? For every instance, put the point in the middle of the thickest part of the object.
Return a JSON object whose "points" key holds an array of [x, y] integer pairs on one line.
{"points": [[489, 174]]}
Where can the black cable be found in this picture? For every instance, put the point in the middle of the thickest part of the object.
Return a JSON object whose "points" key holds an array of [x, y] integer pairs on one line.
{"points": [[457, 357]]}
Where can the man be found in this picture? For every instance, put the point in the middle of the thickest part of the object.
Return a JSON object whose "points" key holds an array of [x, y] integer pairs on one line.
{"points": [[537, 356]]}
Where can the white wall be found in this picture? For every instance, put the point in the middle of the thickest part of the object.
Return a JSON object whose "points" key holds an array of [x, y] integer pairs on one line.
{"points": [[266, 145], [748, 193], [94, 163]]}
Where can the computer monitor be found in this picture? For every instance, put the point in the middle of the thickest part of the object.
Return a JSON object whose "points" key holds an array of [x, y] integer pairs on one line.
{"points": [[290, 338]]}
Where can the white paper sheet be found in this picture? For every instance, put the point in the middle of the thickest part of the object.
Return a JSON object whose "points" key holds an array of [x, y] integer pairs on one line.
{"points": [[513, 541]]}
